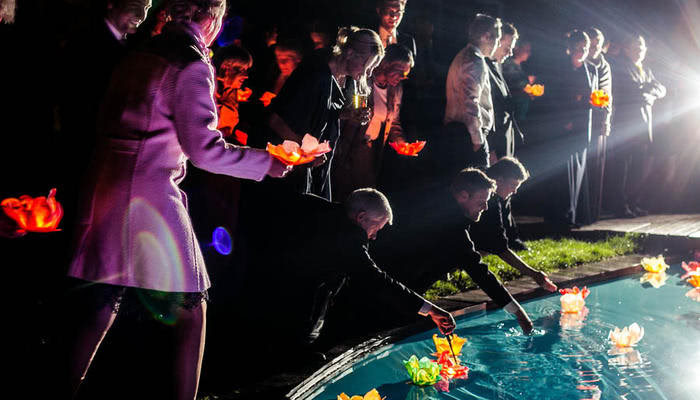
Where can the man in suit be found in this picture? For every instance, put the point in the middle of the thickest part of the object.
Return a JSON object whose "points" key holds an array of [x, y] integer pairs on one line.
{"points": [[600, 122], [390, 14], [506, 130], [469, 109], [326, 254], [636, 90]]}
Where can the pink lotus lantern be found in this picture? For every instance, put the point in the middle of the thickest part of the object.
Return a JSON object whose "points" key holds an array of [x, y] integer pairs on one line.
{"points": [[627, 337], [690, 268], [573, 300], [693, 294]]}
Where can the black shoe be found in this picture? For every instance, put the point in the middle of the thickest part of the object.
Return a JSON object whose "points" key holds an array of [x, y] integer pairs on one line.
{"points": [[517, 245], [625, 212]]}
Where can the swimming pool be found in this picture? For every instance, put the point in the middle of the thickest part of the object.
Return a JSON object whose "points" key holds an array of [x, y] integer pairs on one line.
{"points": [[565, 358]]}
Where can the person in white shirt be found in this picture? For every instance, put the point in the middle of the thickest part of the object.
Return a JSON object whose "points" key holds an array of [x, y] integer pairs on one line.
{"points": [[469, 109]]}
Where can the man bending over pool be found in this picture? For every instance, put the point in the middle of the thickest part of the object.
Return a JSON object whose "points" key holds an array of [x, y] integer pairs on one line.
{"points": [[490, 233], [327, 251], [443, 242]]}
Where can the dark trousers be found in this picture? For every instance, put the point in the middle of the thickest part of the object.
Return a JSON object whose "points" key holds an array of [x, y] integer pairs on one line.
{"points": [[629, 169], [578, 208], [596, 162], [454, 151]]}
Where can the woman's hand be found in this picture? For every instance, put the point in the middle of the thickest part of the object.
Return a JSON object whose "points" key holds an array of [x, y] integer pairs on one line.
{"points": [[544, 282], [360, 116]]}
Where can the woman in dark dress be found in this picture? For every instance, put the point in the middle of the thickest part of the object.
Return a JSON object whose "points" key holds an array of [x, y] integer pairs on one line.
{"points": [[312, 98]]}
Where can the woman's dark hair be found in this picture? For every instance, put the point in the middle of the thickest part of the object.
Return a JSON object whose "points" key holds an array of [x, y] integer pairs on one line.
{"points": [[575, 37], [396, 53], [237, 54], [184, 11]]}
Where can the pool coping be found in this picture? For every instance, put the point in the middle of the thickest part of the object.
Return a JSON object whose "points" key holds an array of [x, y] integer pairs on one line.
{"points": [[522, 290]]}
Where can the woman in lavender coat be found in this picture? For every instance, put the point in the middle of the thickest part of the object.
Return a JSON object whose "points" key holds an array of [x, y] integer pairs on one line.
{"points": [[134, 233]]}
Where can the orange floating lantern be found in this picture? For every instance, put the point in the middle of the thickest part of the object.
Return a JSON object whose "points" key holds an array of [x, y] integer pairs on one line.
{"points": [[627, 337], [408, 149], [41, 214], [535, 90], [442, 345], [600, 98], [267, 97], [371, 395], [573, 300], [290, 153], [690, 268], [243, 94], [694, 279]]}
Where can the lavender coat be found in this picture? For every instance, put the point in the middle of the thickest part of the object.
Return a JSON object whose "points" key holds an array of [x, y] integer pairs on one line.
{"points": [[133, 227]]}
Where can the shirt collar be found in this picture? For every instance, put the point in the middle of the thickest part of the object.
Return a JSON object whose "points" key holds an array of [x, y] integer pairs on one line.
{"points": [[117, 35], [385, 35]]}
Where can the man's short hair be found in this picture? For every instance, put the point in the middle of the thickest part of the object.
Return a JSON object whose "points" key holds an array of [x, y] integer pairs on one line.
{"points": [[234, 55], [184, 11], [472, 180], [508, 168], [371, 201], [481, 25], [594, 32], [575, 37], [510, 29]]}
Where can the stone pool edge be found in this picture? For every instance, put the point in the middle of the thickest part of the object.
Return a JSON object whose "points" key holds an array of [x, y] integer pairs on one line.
{"points": [[470, 302]]}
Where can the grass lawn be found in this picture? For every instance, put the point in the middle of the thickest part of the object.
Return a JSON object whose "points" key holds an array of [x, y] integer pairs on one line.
{"points": [[546, 255]]}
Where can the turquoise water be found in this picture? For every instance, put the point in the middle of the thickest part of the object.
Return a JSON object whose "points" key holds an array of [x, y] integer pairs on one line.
{"points": [[560, 360]]}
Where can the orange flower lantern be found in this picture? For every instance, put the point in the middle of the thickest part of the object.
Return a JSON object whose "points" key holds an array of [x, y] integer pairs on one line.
{"points": [[267, 97], [627, 337], [442, 345], [290, 153], [408, 149], [243, 94], [690, 268], [573, 300], [600, 98], [41, 214], [535, 90], [371, 395], [694, 279]]}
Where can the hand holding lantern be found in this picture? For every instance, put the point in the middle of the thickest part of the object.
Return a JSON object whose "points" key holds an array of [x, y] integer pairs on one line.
{"points": [[290, 153], [600, 98]]}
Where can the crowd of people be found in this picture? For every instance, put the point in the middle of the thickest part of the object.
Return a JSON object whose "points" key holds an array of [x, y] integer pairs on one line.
{"points": [[167, 99]]}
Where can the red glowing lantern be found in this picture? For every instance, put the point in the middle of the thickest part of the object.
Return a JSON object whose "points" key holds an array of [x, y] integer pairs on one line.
{"points": [[600, 98], [690, 268], [267, 97], [449, 369], [408, 149], [41, 214], [243, 94]]}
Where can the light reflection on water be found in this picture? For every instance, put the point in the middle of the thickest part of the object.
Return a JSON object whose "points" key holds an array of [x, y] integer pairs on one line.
{"points": [[567, 356]]}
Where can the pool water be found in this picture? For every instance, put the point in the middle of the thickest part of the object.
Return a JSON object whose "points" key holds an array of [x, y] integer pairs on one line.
{"points": [[565, 358]]}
